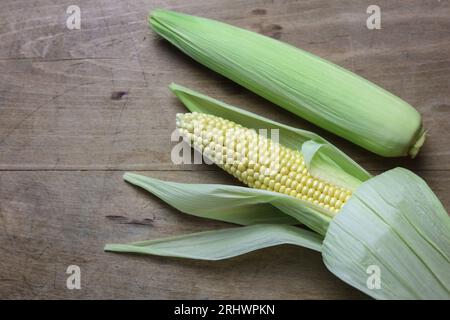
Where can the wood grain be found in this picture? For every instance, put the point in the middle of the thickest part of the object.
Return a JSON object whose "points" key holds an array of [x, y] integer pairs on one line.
{"points": [[79, 107]]}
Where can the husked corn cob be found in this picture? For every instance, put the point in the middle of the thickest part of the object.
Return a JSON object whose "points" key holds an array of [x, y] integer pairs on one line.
{"points": [[257, 161]]}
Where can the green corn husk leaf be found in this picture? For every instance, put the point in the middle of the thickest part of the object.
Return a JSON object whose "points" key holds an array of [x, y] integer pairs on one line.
{"points": [[306, 85], [223, 244], [395, 222], [227, 203], [234, 204]]}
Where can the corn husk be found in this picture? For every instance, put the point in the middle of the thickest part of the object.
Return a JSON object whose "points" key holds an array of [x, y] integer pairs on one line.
{"points": [[306, 85], [392, 221], [395, 222], [225, 243]]}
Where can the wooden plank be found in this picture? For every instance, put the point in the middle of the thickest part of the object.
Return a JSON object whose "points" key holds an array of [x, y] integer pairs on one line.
{"points": [[61, 98], [50, 220], [78, 121], [56, 219]]}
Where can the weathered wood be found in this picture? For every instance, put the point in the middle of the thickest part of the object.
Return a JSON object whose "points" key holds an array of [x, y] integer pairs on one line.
{"points": [[78, 107], [53, 220], [60, 96], [72, 114], [50, 220]]}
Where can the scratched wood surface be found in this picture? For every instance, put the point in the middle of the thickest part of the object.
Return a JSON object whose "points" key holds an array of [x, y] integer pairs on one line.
{"points": [[80, 107]]}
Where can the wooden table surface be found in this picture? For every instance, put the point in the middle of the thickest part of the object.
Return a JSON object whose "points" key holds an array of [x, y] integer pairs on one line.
{"points": [[78, 108]]}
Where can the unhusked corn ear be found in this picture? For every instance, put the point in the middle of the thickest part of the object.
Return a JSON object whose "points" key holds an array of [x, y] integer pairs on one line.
{"points": [[257, 160], [317, 90]]}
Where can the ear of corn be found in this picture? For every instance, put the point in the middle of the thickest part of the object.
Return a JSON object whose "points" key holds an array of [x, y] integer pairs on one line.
{"points": [[322, 159], [323, 167], [257, 161], [306, 85], [393, 221]]}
